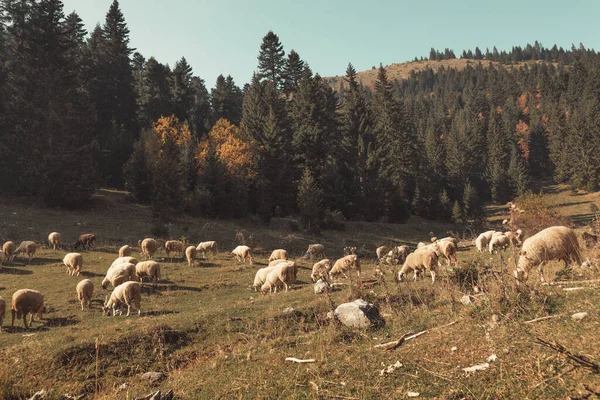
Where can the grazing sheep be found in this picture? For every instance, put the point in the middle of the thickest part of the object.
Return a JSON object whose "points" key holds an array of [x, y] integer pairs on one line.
{"points": [[2, 312], [122, 260], [421, 244], [2, 258], [261, 275], [118, 274], [150, 269], [321, 270], [205, 247], [483, 240], [125, 251], [54, 239], [27, 301], [190, 254], [279, 254], [448, 250], [397, 255], [345, 263], [28, 247], [315, 250], [420, 260], [9, 249], [241, 253], [129, 293], [382, 251], [449, 239], [148, 247], [282, 275], [554, 243], [85, 291], [514, 239], [175, 247], [87, 241], [499, 242], [73, 262]]}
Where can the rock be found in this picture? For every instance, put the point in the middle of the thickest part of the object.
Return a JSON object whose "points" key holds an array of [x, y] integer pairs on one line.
{"points": [[390, 369], [491, 358], [289, 310], [494, 321], [42, 394], [154, 376], [413, 394], [168, 395], [322, 287], [466, 299], [454, 349], [579, 316], [359, 314]]}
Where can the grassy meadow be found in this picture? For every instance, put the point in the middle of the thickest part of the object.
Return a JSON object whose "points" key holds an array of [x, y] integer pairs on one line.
{"points": [[214, 337]]}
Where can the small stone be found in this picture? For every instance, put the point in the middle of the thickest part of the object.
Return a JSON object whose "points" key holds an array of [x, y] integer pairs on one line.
{"points": [[579, 316], [466, 299], [413, 394], [494, 321], [154, 376], [491, 358], [454, 348], [289, 310], [322, 287], [42, 394]]}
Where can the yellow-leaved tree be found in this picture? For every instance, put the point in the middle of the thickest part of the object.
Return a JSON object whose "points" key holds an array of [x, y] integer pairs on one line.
{"points": [[226, 170]]}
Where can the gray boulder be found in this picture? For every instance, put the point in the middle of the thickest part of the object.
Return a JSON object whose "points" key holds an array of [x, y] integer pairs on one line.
{"points": [[321, 287], [359, 314]]}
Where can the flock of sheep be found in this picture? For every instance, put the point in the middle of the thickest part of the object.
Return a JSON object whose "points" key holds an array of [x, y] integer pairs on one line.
{"points": [[126, 273]]}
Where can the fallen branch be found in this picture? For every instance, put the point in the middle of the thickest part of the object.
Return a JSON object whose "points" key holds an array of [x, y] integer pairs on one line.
{"points": [[296, 360], [408, 336], [531, 321], [572, 289], [562, 283], [580, 359]]}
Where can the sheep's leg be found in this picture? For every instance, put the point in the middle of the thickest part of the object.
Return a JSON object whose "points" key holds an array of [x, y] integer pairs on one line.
{"points": [[82, 303], [13, 313], [139, 309], [432, 276], [114, 308], [25, 320], [541, 267], [128, 309]]}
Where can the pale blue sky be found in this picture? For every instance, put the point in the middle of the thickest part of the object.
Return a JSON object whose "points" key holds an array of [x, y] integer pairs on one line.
{"points": [[224, 36]]}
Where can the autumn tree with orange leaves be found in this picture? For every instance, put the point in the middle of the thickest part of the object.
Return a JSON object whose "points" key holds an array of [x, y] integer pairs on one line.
{"points": [[226, 170]]}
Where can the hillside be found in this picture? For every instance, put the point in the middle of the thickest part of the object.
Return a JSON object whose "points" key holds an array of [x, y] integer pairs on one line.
{"points": [[401, 71], [215, 338]]}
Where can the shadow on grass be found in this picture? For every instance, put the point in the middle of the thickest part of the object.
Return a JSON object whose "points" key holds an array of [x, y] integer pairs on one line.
{"points": [[158, 312], [208, 265], [89, 274], [186, 288], [37, 261], [62, 321], [15, 271]]}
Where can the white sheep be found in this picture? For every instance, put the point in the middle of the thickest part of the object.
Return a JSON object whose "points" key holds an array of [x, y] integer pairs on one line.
{"points": [[345, 263], [27, 301], [421, 244], [2, 312], [191, 253], [448, 250], [150, 269], [242, 253], [85, 291], [554, 243], [148, 247], [261, 275], [499, 241], [420, 260], [315, 250], [175, 247], [9, 249], [74, 263], [129, 293], [118, 274], [28, 247], [282, 275], [205, 247], [483, 240], [125, 251], [87, 241], [382, 251], [121, 260], [54, 239], [321, 270], [279, 254], [398, 254]]}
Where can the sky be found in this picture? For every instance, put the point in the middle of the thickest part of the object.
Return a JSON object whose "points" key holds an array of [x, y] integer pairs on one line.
{"points": [[224, 36]]}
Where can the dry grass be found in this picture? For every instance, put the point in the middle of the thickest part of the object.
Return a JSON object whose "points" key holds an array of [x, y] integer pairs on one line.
{"points": [[215, 338]]}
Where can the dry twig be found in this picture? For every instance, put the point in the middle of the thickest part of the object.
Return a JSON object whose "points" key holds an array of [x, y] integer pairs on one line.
{"points": [[531, 321], [580, 359]]}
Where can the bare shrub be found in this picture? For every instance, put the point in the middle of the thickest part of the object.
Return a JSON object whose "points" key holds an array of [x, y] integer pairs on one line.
{"points": [[533, 213]]}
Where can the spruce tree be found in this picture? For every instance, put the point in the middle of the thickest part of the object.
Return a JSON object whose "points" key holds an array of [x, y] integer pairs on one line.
{"points": [[457, 213], [271, 59], [182, 93], [137, 172], [472, 206], [517, 173], [200, 114], [292, 73], [227, 100], [310, 201], [498, 153]]}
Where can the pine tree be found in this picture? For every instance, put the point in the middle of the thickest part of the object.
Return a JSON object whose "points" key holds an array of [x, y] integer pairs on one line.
{"points": [[498, 154], [156, 100], [457, 213], [310, 198], [271, 59], [182, 92], [292, 73], [137, 172], [472, 207], [395, 137], [227, 100], [517, 172], [200, 114]]}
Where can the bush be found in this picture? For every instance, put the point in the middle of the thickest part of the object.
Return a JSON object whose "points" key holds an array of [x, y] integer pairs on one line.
{"points": [[533, 213], [466, 276], [160, 229], [334, 221]]}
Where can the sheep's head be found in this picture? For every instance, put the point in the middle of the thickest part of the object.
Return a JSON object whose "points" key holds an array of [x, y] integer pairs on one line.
{"points": [[401, 276]]}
